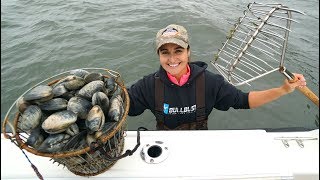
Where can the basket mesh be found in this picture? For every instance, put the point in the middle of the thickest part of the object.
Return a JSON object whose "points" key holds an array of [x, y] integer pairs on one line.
{"points": [[94, 163]]}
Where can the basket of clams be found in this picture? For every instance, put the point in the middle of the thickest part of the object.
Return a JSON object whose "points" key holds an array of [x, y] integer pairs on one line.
{"points": [[78, 120]]}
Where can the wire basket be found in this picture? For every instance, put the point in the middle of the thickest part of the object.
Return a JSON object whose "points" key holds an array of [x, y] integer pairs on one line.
{"points": [[83, 160]]}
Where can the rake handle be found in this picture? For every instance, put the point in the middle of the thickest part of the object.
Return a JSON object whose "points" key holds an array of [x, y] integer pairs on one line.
{"points": [[304, 90]]}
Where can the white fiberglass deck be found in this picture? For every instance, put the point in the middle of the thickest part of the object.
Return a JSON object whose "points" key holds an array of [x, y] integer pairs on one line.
{"points": [[230, 154]]}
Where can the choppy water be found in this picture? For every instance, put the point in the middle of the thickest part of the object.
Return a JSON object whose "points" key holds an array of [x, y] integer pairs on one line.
{"points": [[42, 38]]}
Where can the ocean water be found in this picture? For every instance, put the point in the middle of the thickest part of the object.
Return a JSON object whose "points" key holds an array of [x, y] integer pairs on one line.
{"points": [[40, 39]]}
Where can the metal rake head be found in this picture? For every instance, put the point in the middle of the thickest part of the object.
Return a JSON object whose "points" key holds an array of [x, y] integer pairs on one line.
{"points": [[256, 45]]}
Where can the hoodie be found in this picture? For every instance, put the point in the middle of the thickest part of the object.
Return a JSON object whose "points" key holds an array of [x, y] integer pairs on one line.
{"points": [[180, 101]]}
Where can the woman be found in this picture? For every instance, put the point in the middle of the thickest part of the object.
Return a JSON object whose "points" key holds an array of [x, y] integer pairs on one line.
{"points": [[182, 94]]}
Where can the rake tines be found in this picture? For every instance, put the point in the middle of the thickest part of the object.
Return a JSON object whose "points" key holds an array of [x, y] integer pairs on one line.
{"points": [[256, 45]]}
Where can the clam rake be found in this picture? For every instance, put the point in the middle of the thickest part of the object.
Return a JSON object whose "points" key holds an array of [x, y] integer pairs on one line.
{"points": [[256, 46]]}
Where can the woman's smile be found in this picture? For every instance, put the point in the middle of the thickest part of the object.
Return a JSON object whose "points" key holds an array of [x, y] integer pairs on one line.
{"points": [[174, 65]]}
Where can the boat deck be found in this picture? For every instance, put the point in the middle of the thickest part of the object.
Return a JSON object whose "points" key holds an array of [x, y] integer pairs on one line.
{"points": [[212, 154]]}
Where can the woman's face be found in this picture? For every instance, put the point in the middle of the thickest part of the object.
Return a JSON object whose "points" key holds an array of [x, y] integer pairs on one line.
{"points": [[174, 59]]}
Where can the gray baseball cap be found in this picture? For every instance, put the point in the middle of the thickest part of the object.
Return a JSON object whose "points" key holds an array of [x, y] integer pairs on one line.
{"points": [[173, 33]]}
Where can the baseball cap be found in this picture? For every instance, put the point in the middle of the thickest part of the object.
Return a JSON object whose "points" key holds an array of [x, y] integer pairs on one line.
{"points": [[173, 33]]}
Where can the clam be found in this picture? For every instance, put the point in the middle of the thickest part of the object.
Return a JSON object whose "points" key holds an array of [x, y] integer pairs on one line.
{"points": [[89, 89], [80, 106], [79, 72], [111, 85], [40, 93], [36, 138], [72, 82], [116, 108], [101, 99], [30, 118], [93, 77], [55, 104], [59, 122], [95, 119], [54, 143]]}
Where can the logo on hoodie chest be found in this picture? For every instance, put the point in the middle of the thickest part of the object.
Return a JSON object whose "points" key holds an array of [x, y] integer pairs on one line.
{"points": [[178, 110]]}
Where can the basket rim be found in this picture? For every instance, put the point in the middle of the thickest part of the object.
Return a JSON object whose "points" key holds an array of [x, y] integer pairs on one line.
{"points": [[102, 138]]}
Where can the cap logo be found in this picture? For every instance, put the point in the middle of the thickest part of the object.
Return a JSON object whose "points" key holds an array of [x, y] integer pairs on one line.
{"points": [[170, 32]]}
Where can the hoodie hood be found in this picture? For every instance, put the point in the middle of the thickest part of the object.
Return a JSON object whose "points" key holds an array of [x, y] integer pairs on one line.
{"points": [[196, 68]]}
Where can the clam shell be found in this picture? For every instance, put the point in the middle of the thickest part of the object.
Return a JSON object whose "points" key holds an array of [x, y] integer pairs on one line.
{"points": [[40, 93], [59, 121], [55, 104], [54, 143], [79, 72], [111, 85], [101, 99], [30, 118], [95, 119], [93, 77], [74, 82], [116, 108], [36, 138], [89, 89], [80, 106]]}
